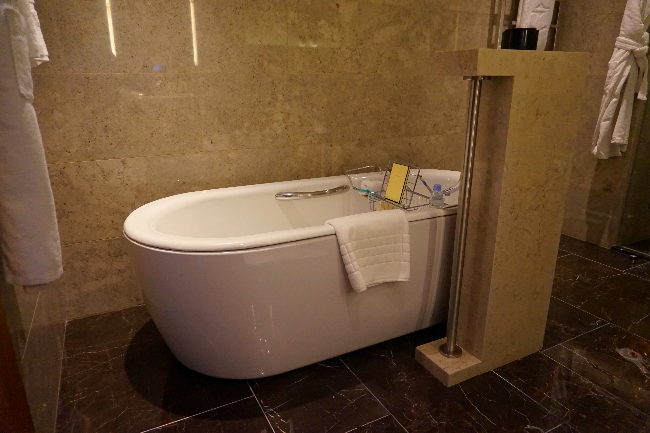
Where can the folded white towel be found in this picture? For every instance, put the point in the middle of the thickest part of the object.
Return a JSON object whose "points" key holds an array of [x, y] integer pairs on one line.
{"points": [[29, 236], [375, 247], [37, 49], [628, 71]]}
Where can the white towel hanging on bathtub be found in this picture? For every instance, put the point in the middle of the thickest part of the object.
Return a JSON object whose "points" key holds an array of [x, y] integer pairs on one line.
{"points": [[375, 247]]}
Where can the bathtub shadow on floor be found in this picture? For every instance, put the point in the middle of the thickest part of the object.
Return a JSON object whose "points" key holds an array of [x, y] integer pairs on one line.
{"points": [[158, 377], [296, 397]]}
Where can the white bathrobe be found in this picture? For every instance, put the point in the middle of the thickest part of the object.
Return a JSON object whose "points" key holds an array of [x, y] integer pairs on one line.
{"points": [[627, 74], [29, 235]]}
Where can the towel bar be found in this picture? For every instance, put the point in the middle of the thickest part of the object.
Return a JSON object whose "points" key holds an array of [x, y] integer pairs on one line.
{"points": [[298, 195]]}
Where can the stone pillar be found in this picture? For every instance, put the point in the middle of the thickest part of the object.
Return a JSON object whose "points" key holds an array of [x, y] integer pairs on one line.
{"points": [[527, 129]]}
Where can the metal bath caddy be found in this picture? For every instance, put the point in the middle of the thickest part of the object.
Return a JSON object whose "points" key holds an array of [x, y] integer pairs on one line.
{"points": [[411, 199]]}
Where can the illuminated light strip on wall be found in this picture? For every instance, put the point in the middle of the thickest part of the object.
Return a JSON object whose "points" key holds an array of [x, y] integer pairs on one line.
{"points": [[111, 34], [194, 46]]}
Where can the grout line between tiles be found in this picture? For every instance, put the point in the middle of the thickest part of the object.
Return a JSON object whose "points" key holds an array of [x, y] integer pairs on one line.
{"points": [[92, 240], [372, 394], [601, 389], [577, 336], [248, 382], [630, 332], [196, 414], [638, 266], [596, 261], [523, 393], [578, 308], [369, 422]]}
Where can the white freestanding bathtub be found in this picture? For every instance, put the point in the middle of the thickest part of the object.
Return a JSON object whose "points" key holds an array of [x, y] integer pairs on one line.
{"points": [[242, 285]]}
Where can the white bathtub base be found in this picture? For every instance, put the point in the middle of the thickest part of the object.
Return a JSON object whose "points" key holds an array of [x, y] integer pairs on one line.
{"points": [[254, 313]]}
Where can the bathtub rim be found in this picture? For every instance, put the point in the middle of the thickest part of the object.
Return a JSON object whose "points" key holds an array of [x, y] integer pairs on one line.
{"points": [[138, 225]]}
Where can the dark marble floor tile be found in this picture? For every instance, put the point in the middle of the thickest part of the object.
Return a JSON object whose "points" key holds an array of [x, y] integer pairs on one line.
{"points": [[642, 271], [586, 407], [565, 322], [420, 403], [105, 330], [386, 424], [613, 258], [621, 299], [239, 417], [134, 387], [320, 397], [613, 359], [571, 270], [564, 428]]}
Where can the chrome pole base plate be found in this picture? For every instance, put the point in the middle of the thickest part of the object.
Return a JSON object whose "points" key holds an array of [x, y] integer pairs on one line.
{"points": [[455, 353]]}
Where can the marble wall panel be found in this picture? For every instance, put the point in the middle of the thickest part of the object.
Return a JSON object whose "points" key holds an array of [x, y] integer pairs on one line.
{"points": [[635, 223], [209, 94], [157, 177], [104, 116], [590, 26], [596, 196], [98, 277], [92, 199]]}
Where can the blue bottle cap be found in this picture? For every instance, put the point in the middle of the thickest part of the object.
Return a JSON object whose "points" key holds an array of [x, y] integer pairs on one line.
{"points": [[437, 187]]}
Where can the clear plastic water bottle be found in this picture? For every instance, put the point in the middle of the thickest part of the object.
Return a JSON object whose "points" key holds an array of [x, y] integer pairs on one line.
{"points": [[437, 199]]}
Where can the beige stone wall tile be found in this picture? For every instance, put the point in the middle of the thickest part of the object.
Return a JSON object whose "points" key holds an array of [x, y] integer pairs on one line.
{"points": [[77, 37], [98, 277], [476, 6], [438, 105], [157, 177], [149, 35], [251, 111], [443, 152], [162, 176], [473, 30], [92, 199], [443, 29], [266, 27], [101, 116], [246, 59], [339, 157], [367, 107], [381, 24], [590, 26], [314, 23]]}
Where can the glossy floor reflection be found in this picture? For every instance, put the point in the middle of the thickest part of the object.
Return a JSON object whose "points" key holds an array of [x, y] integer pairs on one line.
{"points": [[593, 374]]}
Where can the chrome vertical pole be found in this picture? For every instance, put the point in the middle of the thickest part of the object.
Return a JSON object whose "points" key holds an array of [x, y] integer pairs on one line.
{"points": [[502, 18], [450, 349]]}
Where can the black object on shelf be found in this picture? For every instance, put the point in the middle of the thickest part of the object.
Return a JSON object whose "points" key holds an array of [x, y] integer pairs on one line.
{"points": [[520, 39]]}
